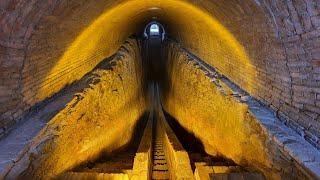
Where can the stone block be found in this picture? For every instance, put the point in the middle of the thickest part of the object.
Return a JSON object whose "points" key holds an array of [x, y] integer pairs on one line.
{"points": [[316, 21], [311, 34]]}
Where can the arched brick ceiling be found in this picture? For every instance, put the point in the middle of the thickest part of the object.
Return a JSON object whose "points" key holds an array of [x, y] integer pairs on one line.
{"points": [[79, 41], [48, 44], [71, 40]]}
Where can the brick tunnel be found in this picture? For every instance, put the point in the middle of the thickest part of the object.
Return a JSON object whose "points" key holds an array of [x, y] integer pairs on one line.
{"points": [[160, 89]]}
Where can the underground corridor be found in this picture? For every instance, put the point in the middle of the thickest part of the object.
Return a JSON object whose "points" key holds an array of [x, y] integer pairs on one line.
{"points": [[153, 89]]}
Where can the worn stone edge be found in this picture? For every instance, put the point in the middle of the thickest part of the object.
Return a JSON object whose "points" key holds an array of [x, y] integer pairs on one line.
{"points": [[289, 141]]}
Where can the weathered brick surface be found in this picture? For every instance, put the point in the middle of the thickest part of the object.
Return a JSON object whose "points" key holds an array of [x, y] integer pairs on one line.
{"points": [[17, 21], [268, 47], [281, 42], [33, 37], [299, 35], [85, 122], [281, 153]]}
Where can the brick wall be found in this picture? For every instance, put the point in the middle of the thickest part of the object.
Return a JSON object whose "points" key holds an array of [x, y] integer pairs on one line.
{"points": [[268, 47], [222, 119], [48, 44], [298, 27], [47, 68], [281, 39], [17, 21], [84, 124], [272, 52]]}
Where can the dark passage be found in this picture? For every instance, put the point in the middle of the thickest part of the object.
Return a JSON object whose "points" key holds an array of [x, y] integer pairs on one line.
{"points": [[153, 62]]}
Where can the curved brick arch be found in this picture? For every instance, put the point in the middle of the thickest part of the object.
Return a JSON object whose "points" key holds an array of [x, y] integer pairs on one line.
{"points": [[18, 21], [280, 42], [269, 48]]}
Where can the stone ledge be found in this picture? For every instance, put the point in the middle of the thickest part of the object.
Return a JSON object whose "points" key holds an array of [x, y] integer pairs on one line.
{"points": [[142, 165], [177, 157], [37, 118], [291, 144]]}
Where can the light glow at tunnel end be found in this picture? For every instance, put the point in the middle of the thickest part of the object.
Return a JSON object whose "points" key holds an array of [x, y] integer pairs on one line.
{"points": [[106, 34]]}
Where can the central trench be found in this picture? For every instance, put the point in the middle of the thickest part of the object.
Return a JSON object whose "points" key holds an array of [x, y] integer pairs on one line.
{"points": [[165, 129]]}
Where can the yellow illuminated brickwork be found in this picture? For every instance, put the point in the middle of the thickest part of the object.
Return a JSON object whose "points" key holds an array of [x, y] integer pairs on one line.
{"points": [[99, 120], [244, 40], [265, 53], [223, 125], [204, 35]]}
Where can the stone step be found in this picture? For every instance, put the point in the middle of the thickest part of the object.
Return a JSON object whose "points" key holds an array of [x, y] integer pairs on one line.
{"points": [[160, 175], [210, 161], [90, 175], [108, 167], [160, 167], [159, 161], [236, 176], [203, 171], [227, 169], [159, 153]]}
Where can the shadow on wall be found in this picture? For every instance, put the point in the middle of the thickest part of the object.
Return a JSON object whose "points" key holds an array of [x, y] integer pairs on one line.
{"points": [[193, 145], [188, 140], [130, 148]]}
